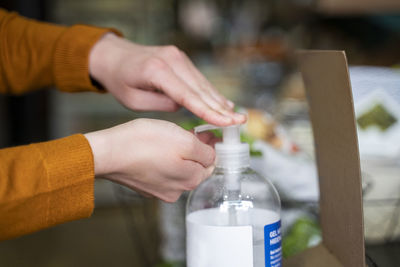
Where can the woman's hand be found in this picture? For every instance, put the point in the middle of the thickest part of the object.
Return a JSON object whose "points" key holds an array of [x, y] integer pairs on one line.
{"points": [[153, 157], [157, 78]]}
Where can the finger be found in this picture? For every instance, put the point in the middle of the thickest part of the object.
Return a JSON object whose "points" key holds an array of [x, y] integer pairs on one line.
{"points": [[185, 69], [213, 141], [195, 174], [204, 83], [236, 117], [199, 152], [182, 71], [188, 73], [205, 137], [138, 99], [207, 98], [211, 96], [180, 92], [208, 138]]}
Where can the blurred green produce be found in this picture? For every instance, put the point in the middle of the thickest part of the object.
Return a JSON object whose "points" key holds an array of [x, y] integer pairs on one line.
{"points": [[377, 116], [303, 234]]}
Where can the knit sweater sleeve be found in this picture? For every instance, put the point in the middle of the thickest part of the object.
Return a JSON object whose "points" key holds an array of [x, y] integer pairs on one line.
{"points": [[48, 183], [45, 184], [35, 54]]}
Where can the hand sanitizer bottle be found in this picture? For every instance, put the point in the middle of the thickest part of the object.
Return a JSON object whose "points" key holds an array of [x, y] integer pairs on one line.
{"points": [[233, 218]]}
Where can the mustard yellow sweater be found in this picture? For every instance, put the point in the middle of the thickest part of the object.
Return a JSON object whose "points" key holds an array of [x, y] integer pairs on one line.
{"points": [[48, 183]]}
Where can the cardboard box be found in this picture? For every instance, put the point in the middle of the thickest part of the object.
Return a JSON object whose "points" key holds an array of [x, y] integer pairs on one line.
{"points": [[357, 6], [327, 83]]}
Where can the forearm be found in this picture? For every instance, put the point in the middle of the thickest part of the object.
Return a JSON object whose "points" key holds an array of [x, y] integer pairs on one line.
{"points": [[25, 53], [45, 184], [35, 55]]}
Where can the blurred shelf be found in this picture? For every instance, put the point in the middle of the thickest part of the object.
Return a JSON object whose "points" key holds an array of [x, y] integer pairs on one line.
{"points": [[345, 7]]}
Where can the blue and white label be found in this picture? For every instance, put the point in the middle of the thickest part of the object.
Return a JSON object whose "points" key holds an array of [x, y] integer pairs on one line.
{"points": [[273, 247]]}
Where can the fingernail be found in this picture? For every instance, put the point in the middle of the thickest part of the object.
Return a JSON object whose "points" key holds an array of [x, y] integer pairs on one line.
{"points": [[230, 103], [228, 119], [241, 116]]}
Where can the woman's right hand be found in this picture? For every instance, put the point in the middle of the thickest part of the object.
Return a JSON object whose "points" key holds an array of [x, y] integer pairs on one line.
{"points": [[153, 157], [157, 78]]}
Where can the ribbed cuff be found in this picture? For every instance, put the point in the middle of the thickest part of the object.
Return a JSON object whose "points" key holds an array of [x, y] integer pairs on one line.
{"points": [[71, 58], [70, 171]]}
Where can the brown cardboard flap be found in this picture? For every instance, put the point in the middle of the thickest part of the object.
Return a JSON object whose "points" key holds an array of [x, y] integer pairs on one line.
{"points": [[358, 6], [313, 257], [327, 84]]}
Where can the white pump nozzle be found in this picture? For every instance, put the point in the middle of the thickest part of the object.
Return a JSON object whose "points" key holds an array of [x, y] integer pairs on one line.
{"points": [[231, 153], [205, 127], [230, 134]]}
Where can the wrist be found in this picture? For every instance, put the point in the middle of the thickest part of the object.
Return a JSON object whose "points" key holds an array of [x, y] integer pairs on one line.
{"points": [[100, 153], [102, 57]]}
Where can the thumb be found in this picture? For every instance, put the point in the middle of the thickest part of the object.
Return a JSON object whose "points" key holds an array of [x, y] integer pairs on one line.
{"points": [[201, 153]]}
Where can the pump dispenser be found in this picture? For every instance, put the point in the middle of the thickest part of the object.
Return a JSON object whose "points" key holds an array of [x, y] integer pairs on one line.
{"points": [[232, 154], [233, 218]]}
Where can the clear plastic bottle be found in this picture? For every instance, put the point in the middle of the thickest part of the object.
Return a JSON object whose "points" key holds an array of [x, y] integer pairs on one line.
{"points": [[233, 218]]}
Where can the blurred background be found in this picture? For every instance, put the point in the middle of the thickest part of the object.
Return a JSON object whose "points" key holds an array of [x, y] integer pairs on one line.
{"points": [[246, 49]]}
